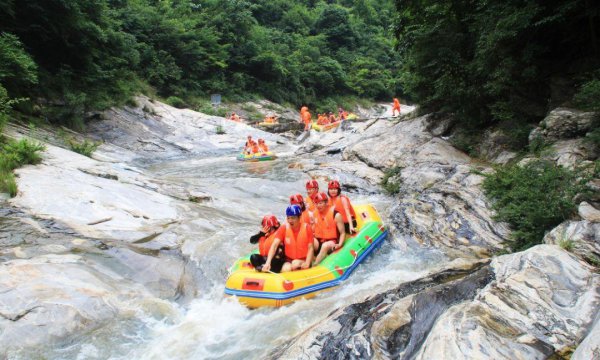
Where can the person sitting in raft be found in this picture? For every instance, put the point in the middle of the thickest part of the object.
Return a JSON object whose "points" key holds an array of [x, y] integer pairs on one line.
{"points": [[342, 114], [297, 239], [342, 204], [262, 146], [248, 145], [271, 119], [332, 118], [265, 238], [320, 119], [307, 215], [234, 117], [312, 189], [330, 232]]}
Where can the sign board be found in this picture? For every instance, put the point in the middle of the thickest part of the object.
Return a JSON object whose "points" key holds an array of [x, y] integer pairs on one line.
{"points": [[215, 99]]}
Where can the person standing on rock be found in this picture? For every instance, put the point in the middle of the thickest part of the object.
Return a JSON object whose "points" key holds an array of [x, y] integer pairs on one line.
{"points": [[329, 228], [396, 107], [297, 239], [342, 205], [305, 117], [265, 238]]}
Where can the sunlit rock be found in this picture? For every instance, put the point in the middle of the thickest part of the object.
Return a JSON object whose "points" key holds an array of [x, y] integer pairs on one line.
{"points": [[47, 299], [541, 302], [580, 237]]}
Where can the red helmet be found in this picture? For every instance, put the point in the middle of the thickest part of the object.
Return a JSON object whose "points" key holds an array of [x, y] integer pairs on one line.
{"points": [[333, 184], [270, 221], [296, 199], [320, 197], [312, 184]]}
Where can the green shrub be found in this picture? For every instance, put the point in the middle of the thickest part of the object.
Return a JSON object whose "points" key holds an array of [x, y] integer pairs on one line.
{"points": [[467, 142], [176, 102], [593, 137], [220, 130], [588, 95], [567, 244], [8, 183], [391, 180], [533, 198], [22, 152], [537, 145], [15, 154], [86, 147]]}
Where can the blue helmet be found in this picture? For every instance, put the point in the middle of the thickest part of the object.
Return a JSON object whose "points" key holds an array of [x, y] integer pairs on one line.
{"points": [[293, 210]]}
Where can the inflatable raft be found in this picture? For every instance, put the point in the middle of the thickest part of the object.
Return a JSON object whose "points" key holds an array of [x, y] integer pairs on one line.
{"points": [[256, 157], [267, 124], [256, 289], [326, 127]]}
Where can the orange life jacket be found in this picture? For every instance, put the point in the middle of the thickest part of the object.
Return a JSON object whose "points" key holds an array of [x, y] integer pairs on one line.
{"points": [[306, 117], [307, 217], [263, 147], [296, 247], [254, 148], [264, 244], [325, 226], [338, 205], [310, 204]]}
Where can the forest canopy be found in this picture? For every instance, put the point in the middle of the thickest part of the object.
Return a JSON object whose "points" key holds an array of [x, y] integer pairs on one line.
{"points": [[494, 62], [71, 56]]}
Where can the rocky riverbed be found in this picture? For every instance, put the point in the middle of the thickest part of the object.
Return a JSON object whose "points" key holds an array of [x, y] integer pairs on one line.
{"points": [[97, 255]]}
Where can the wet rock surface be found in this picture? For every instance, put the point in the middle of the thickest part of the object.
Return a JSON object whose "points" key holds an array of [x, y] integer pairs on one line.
{"points": [[393, 324]]}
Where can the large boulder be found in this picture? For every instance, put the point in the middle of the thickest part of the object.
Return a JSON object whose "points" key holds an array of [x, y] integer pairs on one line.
{"points": [[93, 198], [564, 123], [48, 299], [528, 305], [590, 346], [541, 303]]}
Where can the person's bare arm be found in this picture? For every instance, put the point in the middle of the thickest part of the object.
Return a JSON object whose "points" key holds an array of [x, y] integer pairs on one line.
{"points": [[267, 266]]}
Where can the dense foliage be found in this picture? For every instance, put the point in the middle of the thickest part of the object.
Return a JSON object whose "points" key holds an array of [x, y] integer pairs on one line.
{"points": [[499, 61], [534, 198], [14, 154], [70, 56]]}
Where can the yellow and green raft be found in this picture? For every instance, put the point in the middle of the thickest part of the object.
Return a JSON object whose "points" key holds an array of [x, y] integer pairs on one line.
{"points": [[265, 156], [326, 127], [256, 289]]}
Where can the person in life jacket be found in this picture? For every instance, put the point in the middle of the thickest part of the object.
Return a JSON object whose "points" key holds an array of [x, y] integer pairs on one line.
{"points": [[262, 146], [305, 117], [312, 189], [332, 118], [265, 238], [342, 204], [234, 117], [342, 114], [330, 232], [307, 215], [297, 239], [396, 107], [248, 145]]}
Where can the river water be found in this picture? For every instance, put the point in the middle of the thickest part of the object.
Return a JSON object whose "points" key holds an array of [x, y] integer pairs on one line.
{"points": [[209, 325]]}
